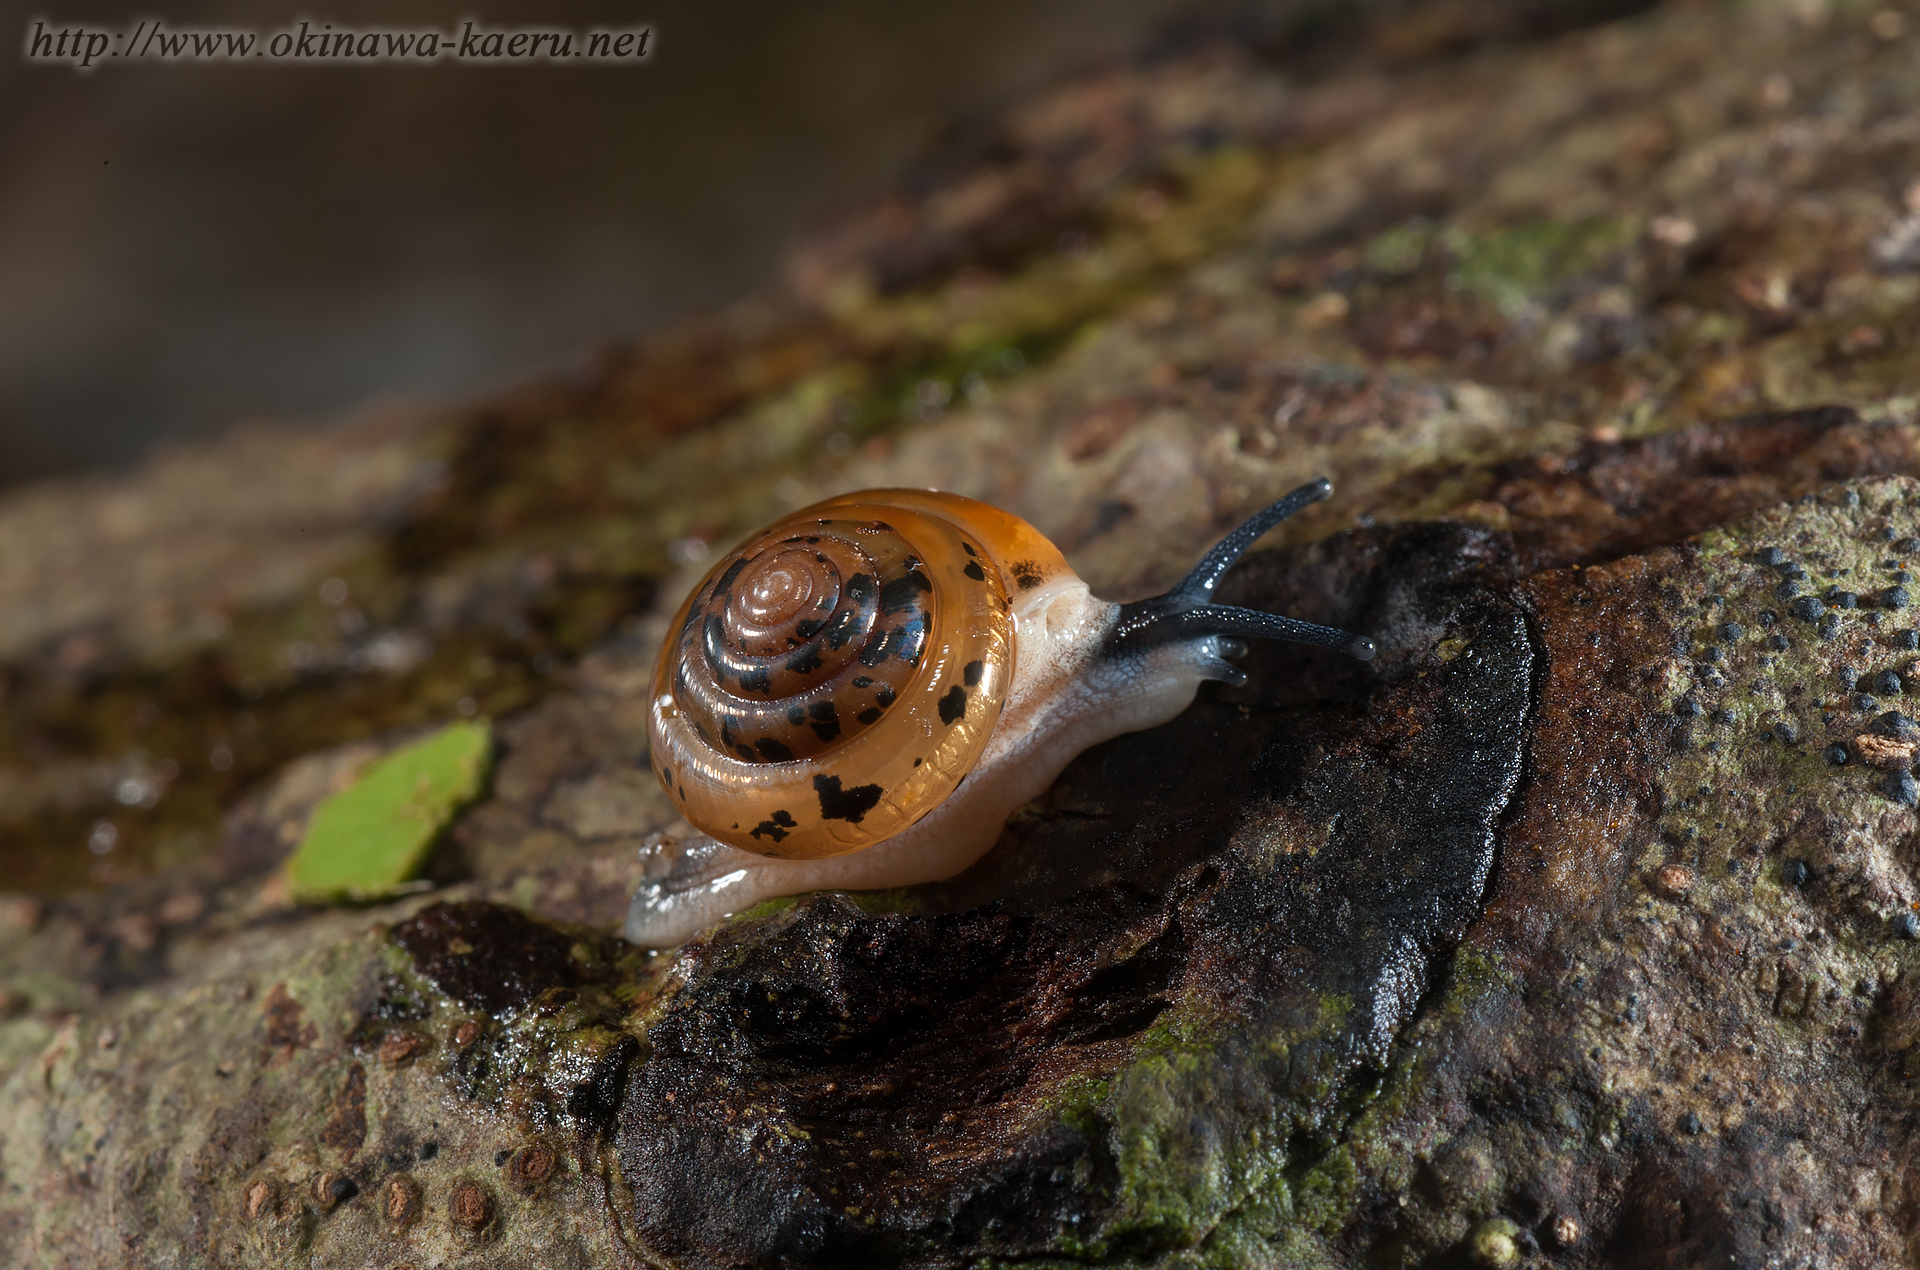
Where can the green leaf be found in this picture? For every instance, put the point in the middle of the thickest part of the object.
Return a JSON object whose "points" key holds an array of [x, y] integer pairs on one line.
{"points": [[369, 839]]}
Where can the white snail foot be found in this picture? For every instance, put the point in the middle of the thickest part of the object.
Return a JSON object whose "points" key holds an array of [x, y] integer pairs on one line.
{"points": [[691, 882]]}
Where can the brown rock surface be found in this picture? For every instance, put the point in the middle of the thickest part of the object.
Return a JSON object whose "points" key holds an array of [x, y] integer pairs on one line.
{"points": [[1607, 343]]}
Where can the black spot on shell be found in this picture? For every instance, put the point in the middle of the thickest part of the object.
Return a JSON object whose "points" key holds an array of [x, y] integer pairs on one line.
{"points": [[953, 706], [843, 628], [870, 715], [968, 547], [845, 804], [880, 646], [884, 696], [805, 659], [859, 586], [904, 592], [807, 628], [911, 639], [796, 715], [775, 826], [970, 674], [861, 681], [1027, 574], [826, 720], [773, 751], [756, 680], [721, 587], [974, 571]]}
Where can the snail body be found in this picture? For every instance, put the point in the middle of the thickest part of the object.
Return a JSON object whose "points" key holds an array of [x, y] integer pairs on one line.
{"points": [[859, 695]]}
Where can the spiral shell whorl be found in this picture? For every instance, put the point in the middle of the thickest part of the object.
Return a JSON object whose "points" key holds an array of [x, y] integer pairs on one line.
{"points": [[832, 679]]}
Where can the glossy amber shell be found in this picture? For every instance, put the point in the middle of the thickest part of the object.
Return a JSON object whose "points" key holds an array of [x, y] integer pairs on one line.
{"points": [[836, 676]]}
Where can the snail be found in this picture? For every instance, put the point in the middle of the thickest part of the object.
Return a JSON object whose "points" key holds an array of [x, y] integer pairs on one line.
{"points": [[859, 695]]}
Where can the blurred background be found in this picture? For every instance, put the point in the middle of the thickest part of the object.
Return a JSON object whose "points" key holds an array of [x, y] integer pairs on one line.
{"points": [[184, 247]]}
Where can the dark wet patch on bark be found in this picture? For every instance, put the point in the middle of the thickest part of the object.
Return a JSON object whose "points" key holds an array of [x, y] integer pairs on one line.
{"points": [[487, 956], [596, 1100]]}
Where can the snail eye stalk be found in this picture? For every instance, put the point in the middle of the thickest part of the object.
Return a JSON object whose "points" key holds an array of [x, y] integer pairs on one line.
{"points": [[1187, 611]]}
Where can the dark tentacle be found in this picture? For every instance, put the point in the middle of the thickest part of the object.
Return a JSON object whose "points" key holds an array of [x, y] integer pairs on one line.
{"points": [[1199, 583], [1185, 611]]}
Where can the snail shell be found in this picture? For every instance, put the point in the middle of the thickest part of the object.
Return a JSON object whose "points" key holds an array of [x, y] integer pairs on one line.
{"points": [[860, 694], [836, 677]]}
